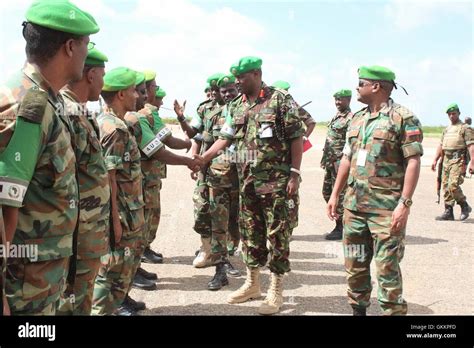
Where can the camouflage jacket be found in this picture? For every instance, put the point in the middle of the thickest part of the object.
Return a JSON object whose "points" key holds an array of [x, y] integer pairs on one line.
{"points": [[335, 138], [121, 153], [263, 132], [375, 186], [149, 144], [305, 117], [94, 189], [37, 165]]}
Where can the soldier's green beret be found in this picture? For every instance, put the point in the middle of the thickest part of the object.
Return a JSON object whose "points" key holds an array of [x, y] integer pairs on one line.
{"points": [[96, 58], [226, 80], [282, 85], [140, 78], [246, 64], [212, 80], [376, 72], [452, 107], [150, 75], [160, 93], [343, 93], [119, 79], [61, 16]]}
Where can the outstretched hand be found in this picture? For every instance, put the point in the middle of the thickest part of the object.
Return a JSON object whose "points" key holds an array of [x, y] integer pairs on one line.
{"points": [[178, 109]]}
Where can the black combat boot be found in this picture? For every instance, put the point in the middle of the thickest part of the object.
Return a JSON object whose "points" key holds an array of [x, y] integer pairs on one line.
{"points": [[465, 210], [125, 311], [359, 311], [147, 275], [140, 282], [220, 278], [447, 215], [231, 271], [150, 257], [336, 233], [133, 305]]}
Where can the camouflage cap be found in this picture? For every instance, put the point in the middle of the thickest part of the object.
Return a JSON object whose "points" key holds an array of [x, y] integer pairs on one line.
{"points": [[160, 93], [140, 78], [281, 85], [246, 64], [452, 107], [226, 80], [96, 58], [61, 16], [376, 72], [212, 80], [150, 75], [343, 93], [119, 79]]}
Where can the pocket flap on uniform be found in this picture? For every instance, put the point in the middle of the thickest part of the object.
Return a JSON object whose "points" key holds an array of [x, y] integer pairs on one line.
{"points": [[353, 133], [389, 183], [385, 134]]}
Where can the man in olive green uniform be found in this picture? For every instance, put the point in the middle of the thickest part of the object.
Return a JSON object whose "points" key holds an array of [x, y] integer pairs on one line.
{"points": [[332, 154], [94, 189], [268, 134], [38, 186], [381, 165], [457, 140]]}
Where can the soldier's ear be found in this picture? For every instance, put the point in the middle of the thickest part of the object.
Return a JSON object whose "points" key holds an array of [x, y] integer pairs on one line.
{"points": [[69, 47]]}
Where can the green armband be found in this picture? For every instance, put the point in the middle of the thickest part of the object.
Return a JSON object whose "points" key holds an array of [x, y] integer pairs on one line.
{"points": [[18, 162]]}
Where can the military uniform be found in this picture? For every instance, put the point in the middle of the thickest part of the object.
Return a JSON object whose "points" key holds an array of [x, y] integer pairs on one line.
{"points": [[373, 192], [454, 142], [38, 177], [121, 153], [266, 129], [94, 204], [332, 154]]}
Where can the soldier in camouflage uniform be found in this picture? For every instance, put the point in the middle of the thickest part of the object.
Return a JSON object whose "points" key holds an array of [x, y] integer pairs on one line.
{"points": [[332, 154], [94, 189], [456, 141], [194, 130], [38, 177], [264, 123], [381, 165]]}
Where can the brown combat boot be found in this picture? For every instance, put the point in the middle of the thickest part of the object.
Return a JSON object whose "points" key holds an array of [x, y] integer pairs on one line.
{"points": [[203, 258], [274, 299], [250, 289]]}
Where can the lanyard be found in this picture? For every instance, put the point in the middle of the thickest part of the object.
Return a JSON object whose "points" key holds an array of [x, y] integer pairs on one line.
{"points": [[368, 130]]}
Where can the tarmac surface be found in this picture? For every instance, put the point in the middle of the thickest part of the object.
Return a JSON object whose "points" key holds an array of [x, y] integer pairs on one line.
{"points": [[438, 272]]}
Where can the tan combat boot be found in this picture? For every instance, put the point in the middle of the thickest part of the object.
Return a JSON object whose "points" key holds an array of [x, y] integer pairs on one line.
{"points": [[274, 299], [203, 258], [250, 289]]}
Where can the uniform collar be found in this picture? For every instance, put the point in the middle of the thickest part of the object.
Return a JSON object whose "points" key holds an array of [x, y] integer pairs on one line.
{"points": [[264, 93], [33, 73]]}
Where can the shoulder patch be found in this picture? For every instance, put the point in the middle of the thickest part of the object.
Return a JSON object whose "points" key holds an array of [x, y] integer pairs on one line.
{"points": [[33, 105]]}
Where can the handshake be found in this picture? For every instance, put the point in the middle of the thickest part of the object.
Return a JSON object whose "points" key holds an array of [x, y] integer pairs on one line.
{"points": [[195, 163]]}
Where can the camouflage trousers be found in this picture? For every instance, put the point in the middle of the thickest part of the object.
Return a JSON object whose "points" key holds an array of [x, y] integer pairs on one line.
{"points": [[293, 209], [202, 217], [452, 179], [115, 274], [330, 175], [367, 236], [224, 211], [265, 217], [77, 298], [34, 288], [152, 214]]}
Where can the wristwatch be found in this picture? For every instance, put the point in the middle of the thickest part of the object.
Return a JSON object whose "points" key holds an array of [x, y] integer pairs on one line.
{"points": [[407, 202]]}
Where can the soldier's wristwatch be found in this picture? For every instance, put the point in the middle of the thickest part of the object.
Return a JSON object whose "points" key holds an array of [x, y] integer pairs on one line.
{"points": [[407, 202]]}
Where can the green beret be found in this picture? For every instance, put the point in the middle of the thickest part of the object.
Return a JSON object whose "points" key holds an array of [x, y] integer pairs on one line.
{"points": [[246, 64], [343, 93], [140, 78], [61, 16], [452, 107], [160, 93], [150, 75], [226, 80], [96, 58], [282, 85], [212, 80], [376, 72], [119, 79]]}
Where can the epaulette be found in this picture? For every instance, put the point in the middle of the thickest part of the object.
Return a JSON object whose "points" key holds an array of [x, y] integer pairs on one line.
{"points": [[33, 105]]}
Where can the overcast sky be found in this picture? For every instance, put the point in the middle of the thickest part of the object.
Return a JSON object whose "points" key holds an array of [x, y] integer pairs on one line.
{"points": [[317, 46]]}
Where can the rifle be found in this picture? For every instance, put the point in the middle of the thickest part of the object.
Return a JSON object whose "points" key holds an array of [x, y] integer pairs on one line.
{"points": [[5, 307], [439, 179]]}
